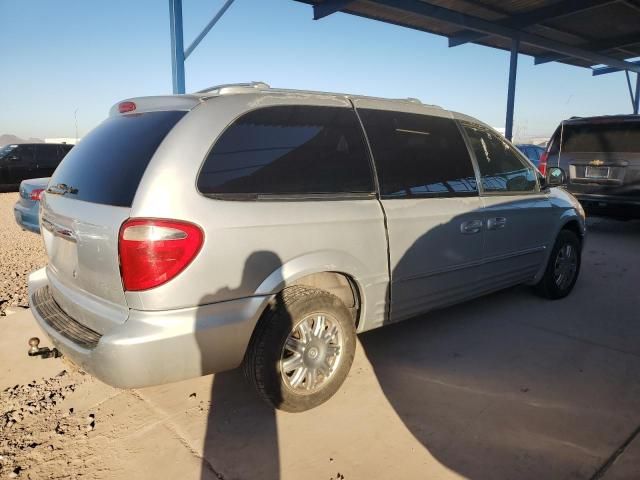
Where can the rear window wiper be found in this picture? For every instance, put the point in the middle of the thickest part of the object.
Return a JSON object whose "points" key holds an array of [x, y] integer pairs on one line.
{"points": [[61, 189]]}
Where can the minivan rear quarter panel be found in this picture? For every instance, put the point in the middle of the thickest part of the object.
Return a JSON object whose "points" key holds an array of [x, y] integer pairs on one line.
{"points": [[254, 248]]}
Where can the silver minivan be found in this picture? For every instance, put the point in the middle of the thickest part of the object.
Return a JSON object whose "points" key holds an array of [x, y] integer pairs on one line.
{"points": [[245, 225]]}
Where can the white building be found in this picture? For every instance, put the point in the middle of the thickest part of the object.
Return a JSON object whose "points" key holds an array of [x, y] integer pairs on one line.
{"points": [[70, 141]]}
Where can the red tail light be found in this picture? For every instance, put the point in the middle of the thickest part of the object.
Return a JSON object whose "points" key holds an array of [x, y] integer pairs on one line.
{"points": [[124, 107], [542, 166], [36, 194], [152, 252]]}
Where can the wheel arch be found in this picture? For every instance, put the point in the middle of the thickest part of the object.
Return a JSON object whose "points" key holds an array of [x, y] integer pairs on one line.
{"points": [[335, 272]]}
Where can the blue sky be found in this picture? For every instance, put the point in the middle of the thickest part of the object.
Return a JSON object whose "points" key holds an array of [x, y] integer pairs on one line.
{"points": [[61, 55]]}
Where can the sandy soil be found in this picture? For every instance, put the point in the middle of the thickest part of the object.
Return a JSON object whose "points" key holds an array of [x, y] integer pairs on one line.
{"points": [[35, 432], [21, 252]]}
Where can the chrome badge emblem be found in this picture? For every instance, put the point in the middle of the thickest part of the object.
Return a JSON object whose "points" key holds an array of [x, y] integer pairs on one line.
{"points": [[596, 163]]}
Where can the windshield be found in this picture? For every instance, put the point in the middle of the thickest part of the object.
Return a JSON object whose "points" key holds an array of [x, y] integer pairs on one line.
{"points": [[4, 151], [107, 165], [601, 137]]}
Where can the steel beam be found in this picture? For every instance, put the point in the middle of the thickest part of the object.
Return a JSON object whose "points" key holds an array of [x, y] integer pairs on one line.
{"points": [[604, 70], [539, 15], [177, 46], [477, 24], [329, 7], [601, 46], [511, 92], [206, 29]]}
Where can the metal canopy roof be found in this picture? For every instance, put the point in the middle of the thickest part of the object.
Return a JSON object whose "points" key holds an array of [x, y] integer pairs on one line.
{"points": [[576, 32]]}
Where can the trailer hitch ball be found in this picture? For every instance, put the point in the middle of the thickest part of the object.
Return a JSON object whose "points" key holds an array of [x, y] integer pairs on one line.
{"points": [[44, 352], [34, 342]]}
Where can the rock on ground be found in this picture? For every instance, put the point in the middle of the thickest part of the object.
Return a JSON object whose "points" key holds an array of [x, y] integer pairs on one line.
{"points": [[21, 252]]}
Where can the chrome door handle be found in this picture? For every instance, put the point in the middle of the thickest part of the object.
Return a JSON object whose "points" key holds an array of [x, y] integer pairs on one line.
{"points": [[496, 223], [470, 227]]}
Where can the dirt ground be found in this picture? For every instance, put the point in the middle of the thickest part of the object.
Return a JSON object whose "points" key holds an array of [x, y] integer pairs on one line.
{"points": [[21, 252], [509, 386]]}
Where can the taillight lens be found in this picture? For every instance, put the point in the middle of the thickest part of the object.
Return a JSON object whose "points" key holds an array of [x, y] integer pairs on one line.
{"points": [[36, 195], [125, 107], [542, 166], [153, 251]]}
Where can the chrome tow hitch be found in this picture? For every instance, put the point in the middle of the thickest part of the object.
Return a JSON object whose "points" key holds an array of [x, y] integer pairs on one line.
{"points": [[44, 352]]}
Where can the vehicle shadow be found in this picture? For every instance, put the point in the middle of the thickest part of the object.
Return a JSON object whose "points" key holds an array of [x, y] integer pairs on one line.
{"points": [[482, 386], [241, 428]]}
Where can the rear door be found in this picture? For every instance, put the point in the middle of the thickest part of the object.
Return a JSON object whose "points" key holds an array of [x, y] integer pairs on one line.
{"points": [[430, 197], [517, 215], [88, 199]]}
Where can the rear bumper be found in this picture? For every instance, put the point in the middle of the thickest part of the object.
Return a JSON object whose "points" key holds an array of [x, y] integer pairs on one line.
{"points": [[608, 205], [153, 348], [27, 217]]}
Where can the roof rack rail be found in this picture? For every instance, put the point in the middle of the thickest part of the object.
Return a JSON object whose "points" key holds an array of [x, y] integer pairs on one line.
{"points": [[231, 87]]}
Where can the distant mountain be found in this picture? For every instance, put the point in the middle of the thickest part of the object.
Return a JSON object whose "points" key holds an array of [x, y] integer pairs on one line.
{"points": [[7, 138]]}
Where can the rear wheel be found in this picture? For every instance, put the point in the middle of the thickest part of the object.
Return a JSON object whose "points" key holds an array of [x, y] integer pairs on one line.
{"points": [[301, 350], [563, 268]]}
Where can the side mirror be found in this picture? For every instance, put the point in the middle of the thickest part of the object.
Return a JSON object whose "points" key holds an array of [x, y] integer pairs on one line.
{"points": [[556, 176]]}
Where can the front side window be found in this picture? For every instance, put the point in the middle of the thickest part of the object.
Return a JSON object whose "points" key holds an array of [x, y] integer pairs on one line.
{"points": [[26, 153], [501, 169], [418, 155], [289, 150]]}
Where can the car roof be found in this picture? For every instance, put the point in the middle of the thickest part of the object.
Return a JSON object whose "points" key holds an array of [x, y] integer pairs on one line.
{"points": [[190, 101], [41, 143], [603, 119]]}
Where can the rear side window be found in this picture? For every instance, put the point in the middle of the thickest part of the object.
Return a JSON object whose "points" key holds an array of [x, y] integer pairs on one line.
{"points": [[288, 150], [107, 165], [418, 155], [601, 137], [501, 169], [48, 155]]}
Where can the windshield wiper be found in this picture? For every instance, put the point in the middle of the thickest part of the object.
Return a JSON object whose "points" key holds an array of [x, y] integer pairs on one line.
{"points": [[62, 189]]}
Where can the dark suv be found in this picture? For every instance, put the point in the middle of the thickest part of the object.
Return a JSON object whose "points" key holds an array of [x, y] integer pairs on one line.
{"points": [[29, 160], [600, 157]]}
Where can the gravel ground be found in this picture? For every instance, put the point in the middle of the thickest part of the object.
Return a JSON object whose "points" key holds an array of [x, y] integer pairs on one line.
{"points": [[38, 439], [21, 252]]}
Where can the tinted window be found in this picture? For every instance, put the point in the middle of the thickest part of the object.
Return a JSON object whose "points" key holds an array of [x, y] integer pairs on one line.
{"points": [[64, 149], [289, 150], [501, 170], [418, 155], [48, 155], [603, 137], [26, 153], [8, 150], [107, 165]]}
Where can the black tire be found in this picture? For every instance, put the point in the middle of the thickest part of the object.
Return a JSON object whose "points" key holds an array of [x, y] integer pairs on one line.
{"points": [[548, 287], [262, 362]]}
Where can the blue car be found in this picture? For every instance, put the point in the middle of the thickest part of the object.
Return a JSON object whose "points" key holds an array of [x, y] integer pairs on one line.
{"points": [[532, 152], [27, 207]]}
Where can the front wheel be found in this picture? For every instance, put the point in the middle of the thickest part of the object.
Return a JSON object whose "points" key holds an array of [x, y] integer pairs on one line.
{"points": [[563, 268], [302, 349]]}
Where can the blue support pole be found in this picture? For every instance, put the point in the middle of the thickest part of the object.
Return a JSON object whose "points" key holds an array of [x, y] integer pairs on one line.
{"points": [[177, 46], [511, 94], [636, 102]]}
